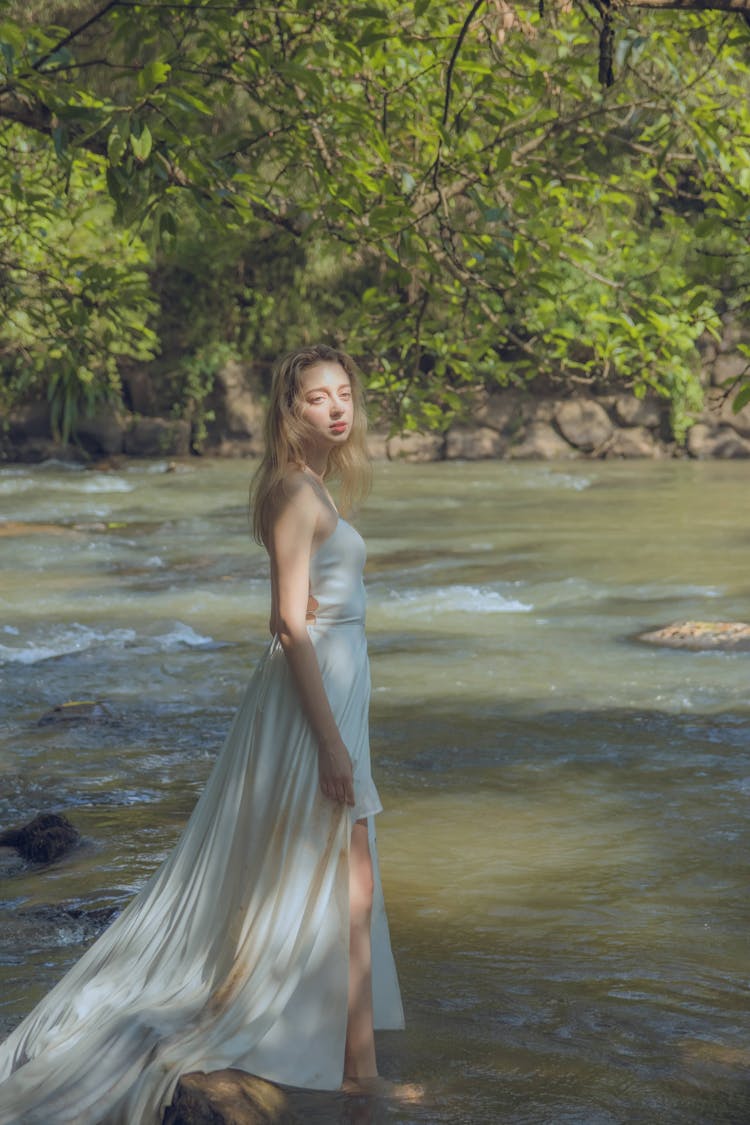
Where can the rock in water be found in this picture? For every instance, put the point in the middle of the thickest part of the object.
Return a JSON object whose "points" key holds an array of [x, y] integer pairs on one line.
{"points": [[13, 528], [40, 926], [75, 711], [46, 837], [228, 1097], [696, 636]]}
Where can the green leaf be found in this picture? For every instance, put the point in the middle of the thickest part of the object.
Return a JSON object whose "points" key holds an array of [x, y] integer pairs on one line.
{"points": [[370, 12], [116, 183], [116, 145], [60, 141], [152, 75], [186, 100], [9, 57], [167, 224], [141, 145], [372, 35], [742, 398]]}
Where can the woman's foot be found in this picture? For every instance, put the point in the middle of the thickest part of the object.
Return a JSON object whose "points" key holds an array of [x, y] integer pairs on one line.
{"points": [[378, 1087]]}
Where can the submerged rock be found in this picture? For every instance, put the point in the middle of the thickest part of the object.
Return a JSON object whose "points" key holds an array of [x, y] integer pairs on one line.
{"points": [[46, 837], [228, 1097], [728, 636], [75, 711], [13, 528], [53, 927], [11, 863]]}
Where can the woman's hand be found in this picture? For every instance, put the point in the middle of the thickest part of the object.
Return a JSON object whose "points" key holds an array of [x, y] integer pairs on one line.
{"points": [[335, 772]]}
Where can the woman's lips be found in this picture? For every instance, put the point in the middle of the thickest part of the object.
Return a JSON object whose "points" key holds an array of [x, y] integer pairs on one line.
{"points": [[338, 427]]}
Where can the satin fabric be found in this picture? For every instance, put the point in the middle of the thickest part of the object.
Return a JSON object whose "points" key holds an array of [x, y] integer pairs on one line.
{"points": [[235, 953]]}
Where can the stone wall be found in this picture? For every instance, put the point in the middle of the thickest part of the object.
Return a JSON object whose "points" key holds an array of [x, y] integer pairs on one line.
{"points": [[538, 424], [140, 426], [517, 425], [534, 423]]}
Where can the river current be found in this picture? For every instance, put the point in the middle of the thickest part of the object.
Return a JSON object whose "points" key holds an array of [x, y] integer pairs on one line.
{"points": [[565, 838]]}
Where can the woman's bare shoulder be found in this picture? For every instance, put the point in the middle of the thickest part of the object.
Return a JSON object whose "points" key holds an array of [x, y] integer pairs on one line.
{"points": [[294, 494]]}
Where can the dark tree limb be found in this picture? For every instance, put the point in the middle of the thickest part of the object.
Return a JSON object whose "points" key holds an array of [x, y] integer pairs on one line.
{"points": [[691, 5], [76, 32], [606, 46], [454, 57]]}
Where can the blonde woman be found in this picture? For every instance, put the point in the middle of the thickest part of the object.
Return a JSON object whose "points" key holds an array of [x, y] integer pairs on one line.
{"points": [[261, 943]]}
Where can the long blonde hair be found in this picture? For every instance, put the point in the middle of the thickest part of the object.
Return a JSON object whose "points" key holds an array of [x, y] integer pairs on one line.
{"points": [[286, 432]]}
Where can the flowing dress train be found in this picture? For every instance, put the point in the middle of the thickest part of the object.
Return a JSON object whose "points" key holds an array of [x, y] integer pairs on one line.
{"points": [[235, 952]]}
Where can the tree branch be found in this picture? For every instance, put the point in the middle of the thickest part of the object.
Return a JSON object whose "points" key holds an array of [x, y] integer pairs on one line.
{"points": [[36, 116], [454, 57], [24, 111], [691, 5], [76, 32]]}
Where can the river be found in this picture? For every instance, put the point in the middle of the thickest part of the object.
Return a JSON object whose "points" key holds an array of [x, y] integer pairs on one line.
{"points": [[565, 842]]}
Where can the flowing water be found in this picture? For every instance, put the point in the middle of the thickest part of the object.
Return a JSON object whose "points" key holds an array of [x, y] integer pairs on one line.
{"points": [[565, 843]]}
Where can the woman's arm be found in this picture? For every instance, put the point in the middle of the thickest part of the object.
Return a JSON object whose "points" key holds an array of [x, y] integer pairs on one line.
{"points": [[290, 543]]}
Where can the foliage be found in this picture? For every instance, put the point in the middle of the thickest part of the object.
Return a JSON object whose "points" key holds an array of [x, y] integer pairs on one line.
{"points": [[446, 189], [76, 295]]}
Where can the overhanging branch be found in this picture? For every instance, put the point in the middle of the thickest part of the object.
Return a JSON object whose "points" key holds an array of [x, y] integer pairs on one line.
{"points": [[33, 115], [100, 14], [689, 5]]}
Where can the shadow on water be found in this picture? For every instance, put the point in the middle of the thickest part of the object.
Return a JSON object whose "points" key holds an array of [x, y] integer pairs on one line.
{"points": [[586, 871]]}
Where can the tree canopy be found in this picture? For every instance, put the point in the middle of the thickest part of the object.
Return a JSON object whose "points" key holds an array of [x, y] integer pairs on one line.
{"points": [[464, 195]]}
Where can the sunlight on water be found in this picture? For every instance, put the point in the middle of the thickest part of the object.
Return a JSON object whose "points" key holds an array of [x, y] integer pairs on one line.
{"points": [[565, 836]]}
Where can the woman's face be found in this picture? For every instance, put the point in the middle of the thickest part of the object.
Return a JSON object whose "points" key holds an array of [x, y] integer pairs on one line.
{"points": [[327, 404]]}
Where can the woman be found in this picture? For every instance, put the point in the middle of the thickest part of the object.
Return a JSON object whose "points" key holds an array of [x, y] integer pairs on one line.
{"points": [[261, 943]]}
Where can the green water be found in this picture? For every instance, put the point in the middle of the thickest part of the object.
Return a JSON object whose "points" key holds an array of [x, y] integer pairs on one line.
{"points": [[565, 841]]}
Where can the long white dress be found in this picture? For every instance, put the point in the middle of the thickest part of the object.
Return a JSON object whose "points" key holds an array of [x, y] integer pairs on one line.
{"points": [[235, 953]]}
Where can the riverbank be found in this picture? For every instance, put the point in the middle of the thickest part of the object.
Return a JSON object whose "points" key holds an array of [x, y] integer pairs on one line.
{"points": [[511, 425], [542, 421]]}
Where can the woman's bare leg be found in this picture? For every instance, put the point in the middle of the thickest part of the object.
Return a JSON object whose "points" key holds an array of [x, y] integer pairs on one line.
{"points": [[360, 1066], [359, 1054]]}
